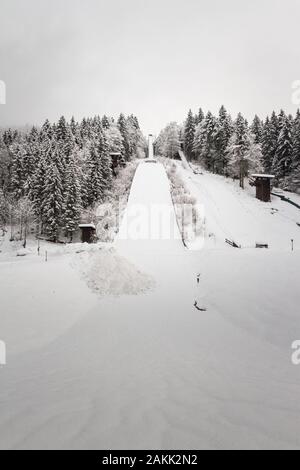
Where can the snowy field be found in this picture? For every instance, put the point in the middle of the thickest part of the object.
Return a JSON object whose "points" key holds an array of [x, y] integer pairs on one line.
{"points": [[105, 348]]}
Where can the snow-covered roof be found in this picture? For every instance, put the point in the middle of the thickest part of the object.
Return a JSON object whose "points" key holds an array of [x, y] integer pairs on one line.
{"points": [[115, 153], [262, 176], [87, 226]]}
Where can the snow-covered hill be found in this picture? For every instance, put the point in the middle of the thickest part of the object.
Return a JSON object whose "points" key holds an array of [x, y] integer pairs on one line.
{"points": [[150, 370], [235, 214]]}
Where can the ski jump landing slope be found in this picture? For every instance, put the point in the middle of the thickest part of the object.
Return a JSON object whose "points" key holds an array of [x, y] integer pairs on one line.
{"points": [[150, 371], [149, 221]]}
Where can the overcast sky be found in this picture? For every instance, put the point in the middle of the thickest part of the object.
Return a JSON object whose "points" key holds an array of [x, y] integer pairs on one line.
{"points": [[155, 59]]}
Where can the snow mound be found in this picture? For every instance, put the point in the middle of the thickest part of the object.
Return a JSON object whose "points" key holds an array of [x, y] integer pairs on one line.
{"points": [[108, 273]]}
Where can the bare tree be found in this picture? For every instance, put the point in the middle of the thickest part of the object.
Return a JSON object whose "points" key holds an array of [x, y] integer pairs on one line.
{"points": [[25, 215]]}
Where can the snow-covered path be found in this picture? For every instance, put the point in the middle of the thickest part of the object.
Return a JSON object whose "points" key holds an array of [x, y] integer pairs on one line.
{"points": [[150, 371]]}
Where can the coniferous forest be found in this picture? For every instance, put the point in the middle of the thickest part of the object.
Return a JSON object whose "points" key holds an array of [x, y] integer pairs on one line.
{"points": [[52, 174], [221, 144]]}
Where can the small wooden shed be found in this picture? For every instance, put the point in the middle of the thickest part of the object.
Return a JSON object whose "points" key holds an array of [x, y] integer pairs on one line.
{"points": [[87, 232], [117, 159], [263, 186]]}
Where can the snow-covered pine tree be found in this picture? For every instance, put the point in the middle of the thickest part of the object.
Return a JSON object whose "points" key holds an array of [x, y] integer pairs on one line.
{"points": [[282, 162], [5, 166], [171, 143], [46, 131], [72, 198], [241, 128], [4, 210], [253, 155], [189, 134], [114, 138], [74, 127], [269, 142], [132, 133], [199, 117], [167, 143], [37, 189], [17, 176], [204, 142], [31, 158], [106, 123], [222, 134], [296, 141], [122, 125], [10, 136], [256, 129], [281, 118], [97, 124], [106, 163], [293, 180], [94, 181], [65, 139], [53, 196], [61, 129], [244, 155], [84, 130]]}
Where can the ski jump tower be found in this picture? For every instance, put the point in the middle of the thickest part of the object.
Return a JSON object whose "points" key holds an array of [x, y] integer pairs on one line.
{"points": [[150, 146]]}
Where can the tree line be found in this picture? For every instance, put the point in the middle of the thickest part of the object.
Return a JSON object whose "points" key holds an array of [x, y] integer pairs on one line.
{"points": [[236, 147], [55, 172]]}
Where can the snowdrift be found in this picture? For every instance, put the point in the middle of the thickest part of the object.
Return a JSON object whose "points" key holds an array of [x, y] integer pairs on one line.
{"points": [[108, 273]]}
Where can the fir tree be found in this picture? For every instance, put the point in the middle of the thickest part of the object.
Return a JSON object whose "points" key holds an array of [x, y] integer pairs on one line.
{"points": [[72, 199], [199, 117], [122, 125], [269, 142], [53, 200], [106, 123], [114, 139], [18, 154], [37, 188], [296, 141], [106, 163], [46, 131], [94, 181], [189, 134], [222, 134], [204, 142], [257, 129], [244, 156], [240, 129], [61, 130], [284, 153]]}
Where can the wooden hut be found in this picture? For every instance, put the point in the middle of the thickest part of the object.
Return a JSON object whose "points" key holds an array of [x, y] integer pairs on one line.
{"points": [[117, 159], [263, 186], [87, 232]]}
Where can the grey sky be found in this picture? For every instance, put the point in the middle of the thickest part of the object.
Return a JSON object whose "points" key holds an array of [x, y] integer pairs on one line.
{"points": [[152, 58]]}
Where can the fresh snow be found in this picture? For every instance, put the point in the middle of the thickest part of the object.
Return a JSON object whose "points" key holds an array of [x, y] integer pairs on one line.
{"points": [[107, 273], [149, 370], [233, 213]]}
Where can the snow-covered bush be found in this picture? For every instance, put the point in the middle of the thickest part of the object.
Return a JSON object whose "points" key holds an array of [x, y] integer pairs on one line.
{"points": [[107, 215], [191, 223]]}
